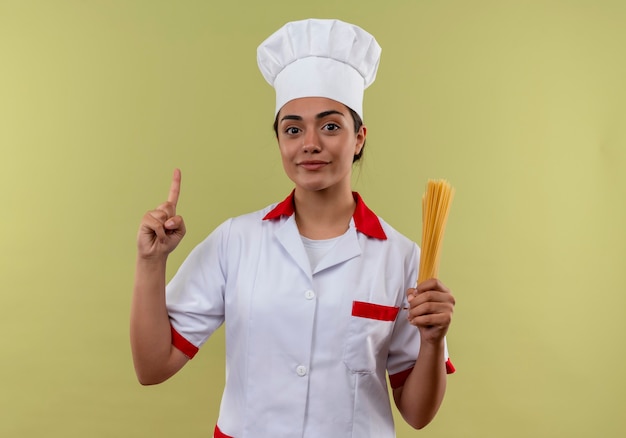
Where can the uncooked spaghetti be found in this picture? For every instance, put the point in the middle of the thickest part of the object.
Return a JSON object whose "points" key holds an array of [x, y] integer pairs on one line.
{"points": [[436, 203]]}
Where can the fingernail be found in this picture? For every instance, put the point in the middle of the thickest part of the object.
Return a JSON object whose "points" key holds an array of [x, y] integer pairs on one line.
{"points": [[169, 223]]}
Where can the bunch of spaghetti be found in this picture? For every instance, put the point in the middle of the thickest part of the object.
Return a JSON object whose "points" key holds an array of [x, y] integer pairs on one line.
{"points": [[436, 203]]}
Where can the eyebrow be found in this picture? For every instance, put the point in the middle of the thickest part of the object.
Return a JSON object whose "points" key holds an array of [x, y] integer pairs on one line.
{"points": [[318, 116]]}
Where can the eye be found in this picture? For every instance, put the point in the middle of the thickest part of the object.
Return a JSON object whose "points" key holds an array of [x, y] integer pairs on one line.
{"points": [[331, 127], [292, 130]]}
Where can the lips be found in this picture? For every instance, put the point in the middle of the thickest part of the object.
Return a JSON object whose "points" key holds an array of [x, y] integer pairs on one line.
{"points": [[312, 164]]}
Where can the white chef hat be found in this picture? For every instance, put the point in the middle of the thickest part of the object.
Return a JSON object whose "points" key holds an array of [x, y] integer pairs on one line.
{"points": [[320, 58]]}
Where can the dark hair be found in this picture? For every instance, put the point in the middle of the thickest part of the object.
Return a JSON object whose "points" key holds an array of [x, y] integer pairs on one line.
{"points": [[358, 122]]}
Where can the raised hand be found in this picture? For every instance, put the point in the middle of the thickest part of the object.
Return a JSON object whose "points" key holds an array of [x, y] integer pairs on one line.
{"points": [[161, 229], [430, 309]]}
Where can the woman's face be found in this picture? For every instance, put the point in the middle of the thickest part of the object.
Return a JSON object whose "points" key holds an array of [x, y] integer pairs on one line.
{"points": [[317, 143]]}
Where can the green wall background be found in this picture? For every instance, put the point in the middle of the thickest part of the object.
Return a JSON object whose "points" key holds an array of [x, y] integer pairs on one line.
{"points": [[520, 104]]}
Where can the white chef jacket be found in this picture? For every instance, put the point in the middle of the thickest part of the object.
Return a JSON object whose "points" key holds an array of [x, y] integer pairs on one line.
{"points": [[306, 351]]}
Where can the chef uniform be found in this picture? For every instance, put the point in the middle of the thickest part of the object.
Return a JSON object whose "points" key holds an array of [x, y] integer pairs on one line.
{"points": [[310, 333]]}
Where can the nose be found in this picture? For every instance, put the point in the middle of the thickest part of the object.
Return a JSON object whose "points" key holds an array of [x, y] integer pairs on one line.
{"points": [[310, 142]]}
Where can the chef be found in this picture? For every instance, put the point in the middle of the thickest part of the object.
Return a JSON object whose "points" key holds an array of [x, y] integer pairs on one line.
{"points": [[317, 293]]}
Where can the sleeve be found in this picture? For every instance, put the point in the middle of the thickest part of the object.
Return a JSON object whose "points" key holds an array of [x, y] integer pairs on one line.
{"points": [[405, 338], [195, 295]]}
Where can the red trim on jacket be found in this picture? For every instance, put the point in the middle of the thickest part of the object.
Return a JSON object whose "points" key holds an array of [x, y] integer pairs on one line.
{"points": [[365, 220], [374, 311], [178, 341]]}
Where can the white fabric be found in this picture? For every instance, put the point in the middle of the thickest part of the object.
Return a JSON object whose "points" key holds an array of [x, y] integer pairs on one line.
{"points": [[317, 249], [320, 58], [297, 362]]}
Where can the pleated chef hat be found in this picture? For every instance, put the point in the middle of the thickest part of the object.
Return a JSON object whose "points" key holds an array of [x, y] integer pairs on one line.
{"points": [[320, 58]]}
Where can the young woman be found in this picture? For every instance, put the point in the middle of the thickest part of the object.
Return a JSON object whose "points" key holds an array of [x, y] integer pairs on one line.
{"points": [[317, 292]]}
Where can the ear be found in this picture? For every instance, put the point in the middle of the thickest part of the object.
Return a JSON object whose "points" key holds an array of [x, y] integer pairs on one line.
{"points": [[360, 139]]}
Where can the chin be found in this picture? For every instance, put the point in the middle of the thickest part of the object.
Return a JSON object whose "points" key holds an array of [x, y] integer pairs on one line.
{"points": [[311, 186]]}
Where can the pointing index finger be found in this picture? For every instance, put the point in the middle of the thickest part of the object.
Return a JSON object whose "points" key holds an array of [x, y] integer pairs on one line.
{"points": [[174, 188]]}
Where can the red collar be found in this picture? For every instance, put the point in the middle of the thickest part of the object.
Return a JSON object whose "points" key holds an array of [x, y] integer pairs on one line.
{"points": [[365, 219]]}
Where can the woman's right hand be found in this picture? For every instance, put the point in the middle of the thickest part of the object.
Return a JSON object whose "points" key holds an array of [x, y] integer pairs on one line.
{"points": [[162, 229]]}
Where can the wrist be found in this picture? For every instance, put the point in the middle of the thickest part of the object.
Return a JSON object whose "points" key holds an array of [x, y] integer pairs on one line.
{"points": [[151, 263], [432, 348]]}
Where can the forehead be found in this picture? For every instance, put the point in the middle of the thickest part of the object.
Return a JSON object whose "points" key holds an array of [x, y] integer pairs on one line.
{"points": [[311, 106]]}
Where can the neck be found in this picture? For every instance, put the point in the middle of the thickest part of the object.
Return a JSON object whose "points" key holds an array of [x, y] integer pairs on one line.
{"points": [[323, 214]]}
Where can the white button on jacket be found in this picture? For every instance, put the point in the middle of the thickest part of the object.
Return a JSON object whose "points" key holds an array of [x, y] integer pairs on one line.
{"points": [[341, 340], [301, 371]]}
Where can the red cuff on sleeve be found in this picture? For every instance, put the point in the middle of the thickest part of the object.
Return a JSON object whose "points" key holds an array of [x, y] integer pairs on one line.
{"points": [[186, 347], [397, 380], [217, 433], [449, 367]]}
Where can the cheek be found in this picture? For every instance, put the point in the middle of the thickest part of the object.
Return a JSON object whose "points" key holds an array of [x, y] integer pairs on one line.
{"points": [[286, 155], [352, 150], [285, 146]]}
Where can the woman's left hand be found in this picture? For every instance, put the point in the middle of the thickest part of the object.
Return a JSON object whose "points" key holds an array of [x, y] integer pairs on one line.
{"points": [[430, 309]]}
